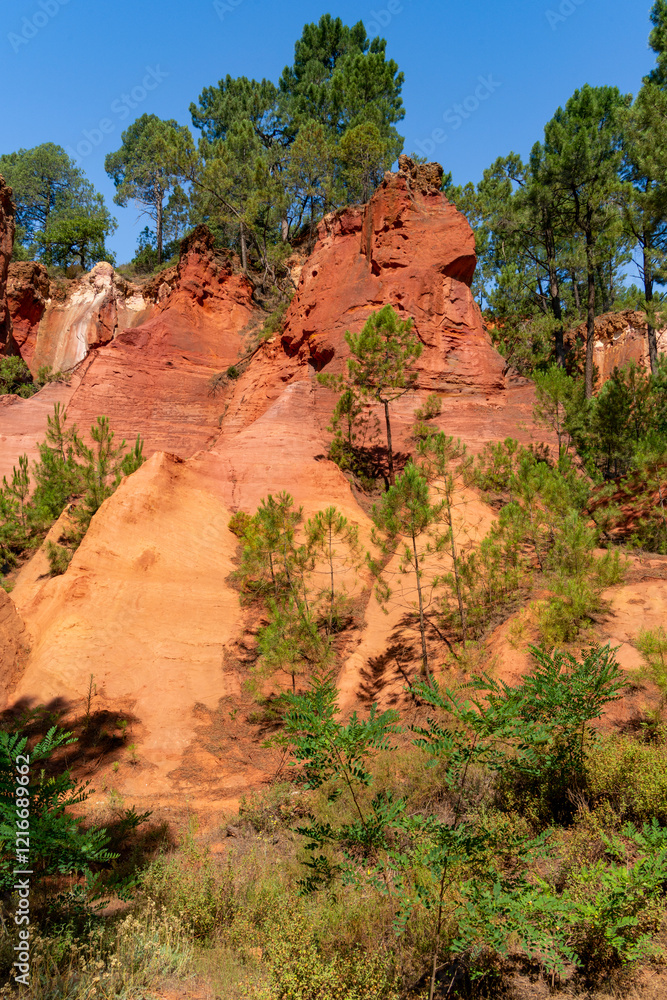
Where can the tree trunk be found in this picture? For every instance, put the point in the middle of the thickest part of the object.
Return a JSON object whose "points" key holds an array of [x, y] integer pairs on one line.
{"points": [[604, 294], [284, 229], [331, 571], [648, 295], [422, 626], [590, 314], [390, 450], [158, 221], [557, 311], [455, 562], [575, 289], [244, 249]]}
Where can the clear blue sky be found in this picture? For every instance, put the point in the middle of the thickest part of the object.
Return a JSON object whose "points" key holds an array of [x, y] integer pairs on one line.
{"points": [[84, 57]]}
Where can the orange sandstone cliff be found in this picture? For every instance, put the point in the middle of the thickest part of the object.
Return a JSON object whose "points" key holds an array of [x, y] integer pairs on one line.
{"points": [[146, 607]]}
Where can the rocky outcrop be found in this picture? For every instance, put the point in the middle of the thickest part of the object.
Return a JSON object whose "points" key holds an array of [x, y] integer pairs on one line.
{"points": [[154, 378], [28, 291], [7, 225], [620, 337], [410, 248], [146, 605], [97, 306]]}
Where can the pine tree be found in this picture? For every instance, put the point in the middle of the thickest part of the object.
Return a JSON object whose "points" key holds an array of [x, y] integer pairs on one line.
{"points": [[644, 197], [324, 530], [554, 390], [582, 160], [658, 42], [381, 366], [102, 467], [407, 512], [60, 216], [148, 165], [443, 462]]}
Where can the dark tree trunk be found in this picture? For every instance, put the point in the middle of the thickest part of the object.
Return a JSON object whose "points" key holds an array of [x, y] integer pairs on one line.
{"points": [[554, 296], [158, 221], [390, 450], [557, 310], [605, 302], [244, 249], [648, 295], [590, 314]]}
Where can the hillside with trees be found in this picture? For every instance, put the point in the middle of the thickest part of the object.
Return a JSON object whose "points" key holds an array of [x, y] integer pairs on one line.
{"points": [[346, 677]]}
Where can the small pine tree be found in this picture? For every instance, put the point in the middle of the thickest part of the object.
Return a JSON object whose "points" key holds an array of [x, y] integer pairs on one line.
{"points": [[324, 530], [407, 512], [381, 365]]}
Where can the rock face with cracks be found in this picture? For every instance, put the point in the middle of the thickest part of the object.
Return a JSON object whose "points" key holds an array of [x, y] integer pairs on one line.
{"points": [[413, 250], [28, 291]]}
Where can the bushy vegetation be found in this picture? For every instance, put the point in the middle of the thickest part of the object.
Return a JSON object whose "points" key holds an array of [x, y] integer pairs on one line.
{"points": [[61, 219], [492, 840], [497, 839], [16, 378], [293, 571], [69, 472]]}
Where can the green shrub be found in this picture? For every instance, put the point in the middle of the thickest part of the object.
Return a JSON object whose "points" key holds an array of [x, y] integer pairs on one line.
{"points": [[652, 644], [630, 775], [123, 959], [299, 970], [238, 523], [569, 609], [432, 408], [15, 377], [274, 322], [59, 558], [190, 885], [60, 844]]}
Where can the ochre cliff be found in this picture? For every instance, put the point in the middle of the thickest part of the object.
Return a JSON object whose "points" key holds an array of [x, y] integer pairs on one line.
{"points": [[147, 605], [155, 377], [410, 248], [13, 646]]}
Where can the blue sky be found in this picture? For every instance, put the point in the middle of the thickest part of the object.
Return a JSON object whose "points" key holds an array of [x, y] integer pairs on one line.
{"points": [[77, 73]]}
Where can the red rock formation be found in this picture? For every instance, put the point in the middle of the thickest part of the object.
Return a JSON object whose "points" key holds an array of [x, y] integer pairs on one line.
{"points": [[153, 379], [145, 604], [410, 248], [97, 306], [6, 246], [619, 338], [27, 294]]}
